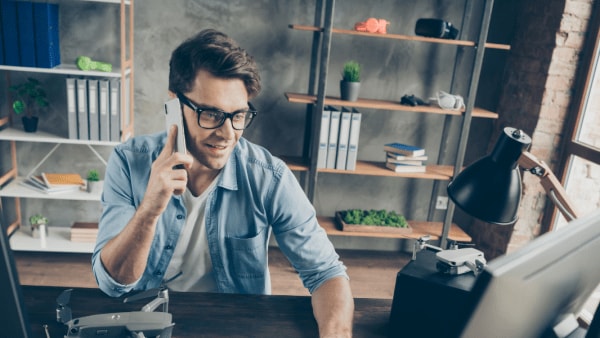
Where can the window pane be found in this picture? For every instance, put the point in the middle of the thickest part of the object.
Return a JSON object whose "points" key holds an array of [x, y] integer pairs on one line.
{"points": [[583, 189], [588, 131], [583, 186]]}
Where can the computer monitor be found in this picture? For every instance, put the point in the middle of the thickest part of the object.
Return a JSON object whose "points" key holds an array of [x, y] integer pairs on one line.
{"points": [[539, 290], [13, 316]]}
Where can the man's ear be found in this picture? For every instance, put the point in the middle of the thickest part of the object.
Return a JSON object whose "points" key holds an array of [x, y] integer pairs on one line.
{"points": [[171, 95]]}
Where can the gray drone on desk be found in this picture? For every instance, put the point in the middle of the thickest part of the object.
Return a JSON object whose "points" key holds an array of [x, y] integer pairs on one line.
{"points": [[134, 324], [454, 261]]}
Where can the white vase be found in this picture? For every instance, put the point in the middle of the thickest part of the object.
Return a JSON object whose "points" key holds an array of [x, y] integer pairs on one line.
{"points": [[36, 230], [95, 187], [43, 235]]}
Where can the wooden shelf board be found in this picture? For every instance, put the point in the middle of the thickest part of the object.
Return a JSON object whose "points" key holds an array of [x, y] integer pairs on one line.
{"points": [[66, 69], [433, 172], [370, 168], [433, 229], [386, 105], [14, 134], [294, 163], [14, 189], [489, 45], [58, 240]]}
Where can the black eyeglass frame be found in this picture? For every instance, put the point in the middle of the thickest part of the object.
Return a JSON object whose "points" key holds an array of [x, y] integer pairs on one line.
{"points": [[186, 101]]}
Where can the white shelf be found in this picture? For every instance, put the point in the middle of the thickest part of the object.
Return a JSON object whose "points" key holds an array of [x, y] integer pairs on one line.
{"points": [[127, 2], [14, 189], [57, 241], [14, 134], [65, 70]]}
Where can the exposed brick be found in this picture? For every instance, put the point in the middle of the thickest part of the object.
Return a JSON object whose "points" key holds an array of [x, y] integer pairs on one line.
{"points": [[575, 40], [559, 67], [552, 111], [571, 23], [580, 9], [563, 98], [566, 54], [561, 83], [547, 125]]}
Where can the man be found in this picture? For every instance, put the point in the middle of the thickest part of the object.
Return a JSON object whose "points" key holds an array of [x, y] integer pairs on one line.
{"points": [[202, 220]]}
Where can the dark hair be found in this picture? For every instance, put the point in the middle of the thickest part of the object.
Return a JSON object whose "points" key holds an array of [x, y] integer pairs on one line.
{"points": [[216, 53]]}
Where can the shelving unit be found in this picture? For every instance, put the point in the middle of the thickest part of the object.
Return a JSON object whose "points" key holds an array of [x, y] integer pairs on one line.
{"points": [[316, 100], [58, 236]]}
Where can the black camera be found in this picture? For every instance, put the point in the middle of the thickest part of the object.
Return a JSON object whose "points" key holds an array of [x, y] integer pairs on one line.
{"points": [[436, 28]]}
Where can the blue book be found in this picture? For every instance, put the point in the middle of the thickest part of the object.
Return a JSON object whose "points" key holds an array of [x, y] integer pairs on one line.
{"points": [[10, 33], [26, 37], [45, 16], [404, 149]]}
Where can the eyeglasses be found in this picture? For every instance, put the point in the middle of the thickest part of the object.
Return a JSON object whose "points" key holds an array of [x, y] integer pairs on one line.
{"points": [[211, 118]]}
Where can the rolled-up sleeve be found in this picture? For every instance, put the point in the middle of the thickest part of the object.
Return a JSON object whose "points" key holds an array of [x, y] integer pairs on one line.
{"points": [[299, 235], [117, 210]]}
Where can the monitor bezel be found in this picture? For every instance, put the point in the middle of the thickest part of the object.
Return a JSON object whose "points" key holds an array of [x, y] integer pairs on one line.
{"points": [[503, 299], [14, 320]]}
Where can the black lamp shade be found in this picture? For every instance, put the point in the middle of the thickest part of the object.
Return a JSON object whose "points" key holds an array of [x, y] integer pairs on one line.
{"points": [[490, 189]]}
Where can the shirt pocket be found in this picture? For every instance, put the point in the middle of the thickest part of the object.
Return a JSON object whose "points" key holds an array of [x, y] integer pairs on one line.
{"points": [[248, 255]]}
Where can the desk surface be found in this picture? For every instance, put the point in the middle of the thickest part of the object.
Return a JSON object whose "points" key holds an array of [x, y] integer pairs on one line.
{"points": [[210, 314]]}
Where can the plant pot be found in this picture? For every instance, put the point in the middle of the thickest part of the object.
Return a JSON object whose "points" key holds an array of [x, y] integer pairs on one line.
{"points": [[349, 90], [30, 123], [39, 230], [95, 187]]}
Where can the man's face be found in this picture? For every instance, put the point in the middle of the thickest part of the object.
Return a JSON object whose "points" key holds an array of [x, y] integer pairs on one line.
{"points": [[212, 147]]}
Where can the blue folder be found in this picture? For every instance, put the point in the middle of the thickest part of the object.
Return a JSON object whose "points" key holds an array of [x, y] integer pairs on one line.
{"points": [[47, 47], [1, 38], [10, 33], [26, 37]]}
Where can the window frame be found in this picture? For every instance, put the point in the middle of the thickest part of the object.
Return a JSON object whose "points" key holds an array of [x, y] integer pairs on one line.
{"points": [[570, 146]]}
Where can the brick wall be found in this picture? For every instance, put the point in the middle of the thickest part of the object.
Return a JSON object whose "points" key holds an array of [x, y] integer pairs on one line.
{"points": [[539, 80]]}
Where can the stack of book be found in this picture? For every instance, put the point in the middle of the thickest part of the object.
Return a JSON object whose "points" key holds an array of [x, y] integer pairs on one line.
{"points": [[404, 158], [84, 232], [52, 183]]}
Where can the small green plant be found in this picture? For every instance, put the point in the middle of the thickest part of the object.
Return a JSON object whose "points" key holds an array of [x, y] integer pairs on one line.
{"points": [[351, 71], [29, 96], [38, 219], [374, 217], [93, 175]]}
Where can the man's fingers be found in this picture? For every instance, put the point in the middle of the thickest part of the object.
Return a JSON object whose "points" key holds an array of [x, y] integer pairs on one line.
{"points": [[171, 139]]}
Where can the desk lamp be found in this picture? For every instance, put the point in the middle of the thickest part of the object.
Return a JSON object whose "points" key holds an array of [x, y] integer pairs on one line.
{"points": [[490, 189]]}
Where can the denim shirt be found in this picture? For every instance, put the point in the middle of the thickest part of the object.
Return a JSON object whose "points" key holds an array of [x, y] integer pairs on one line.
{"points": [[256, 194]]}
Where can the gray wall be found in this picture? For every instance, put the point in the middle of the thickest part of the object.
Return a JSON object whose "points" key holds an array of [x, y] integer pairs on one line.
{"points": [[391, 69]]}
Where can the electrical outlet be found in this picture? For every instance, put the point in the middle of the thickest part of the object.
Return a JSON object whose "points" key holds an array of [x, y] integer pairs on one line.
{"points": [[441, 203]]}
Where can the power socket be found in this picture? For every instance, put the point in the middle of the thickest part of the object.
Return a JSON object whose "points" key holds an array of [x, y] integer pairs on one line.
{"points": [[441, 203]]}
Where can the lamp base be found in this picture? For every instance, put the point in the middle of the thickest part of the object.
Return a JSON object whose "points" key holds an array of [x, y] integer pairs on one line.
{"points": [[427, 302]]}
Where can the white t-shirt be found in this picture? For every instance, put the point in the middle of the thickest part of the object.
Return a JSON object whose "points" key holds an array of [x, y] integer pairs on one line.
{"points": [[191, 256]]}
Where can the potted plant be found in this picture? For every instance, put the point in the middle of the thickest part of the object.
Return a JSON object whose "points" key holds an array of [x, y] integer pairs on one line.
{"points": [[94, 184], [350, 83], [30, 98], [38, 226]]}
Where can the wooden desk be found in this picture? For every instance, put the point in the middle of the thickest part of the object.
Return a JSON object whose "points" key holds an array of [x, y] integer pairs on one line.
{"points": [[210, 314]]}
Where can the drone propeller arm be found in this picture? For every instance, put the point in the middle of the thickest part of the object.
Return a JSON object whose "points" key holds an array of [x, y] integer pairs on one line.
{"points": [[550, 183]]}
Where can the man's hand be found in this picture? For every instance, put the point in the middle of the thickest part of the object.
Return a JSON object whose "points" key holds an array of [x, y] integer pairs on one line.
{"points": [[168, 177], [125, 256]]}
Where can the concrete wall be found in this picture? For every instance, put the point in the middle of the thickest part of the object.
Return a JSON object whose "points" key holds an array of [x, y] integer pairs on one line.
{"points": [[391, 69]]}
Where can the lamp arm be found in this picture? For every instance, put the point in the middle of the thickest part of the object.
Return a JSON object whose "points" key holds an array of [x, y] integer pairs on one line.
{"points": [[550, 183]]}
